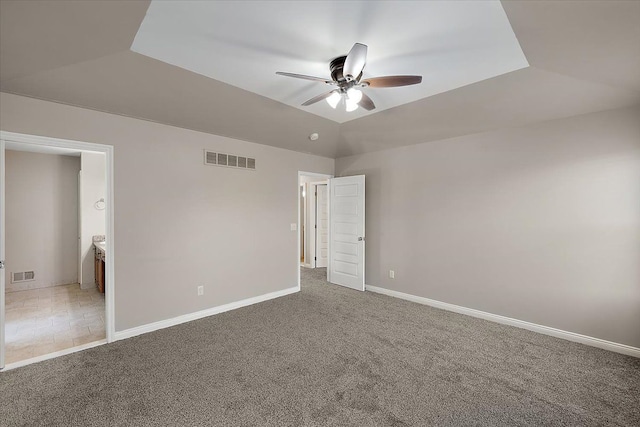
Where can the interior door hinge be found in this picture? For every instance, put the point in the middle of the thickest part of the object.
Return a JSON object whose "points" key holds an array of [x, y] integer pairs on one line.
{"points": [[1, 265]]}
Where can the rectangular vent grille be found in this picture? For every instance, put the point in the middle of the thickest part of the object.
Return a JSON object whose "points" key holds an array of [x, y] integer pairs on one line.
{"points": [[210, 158], [229, 160], [23, 276]]}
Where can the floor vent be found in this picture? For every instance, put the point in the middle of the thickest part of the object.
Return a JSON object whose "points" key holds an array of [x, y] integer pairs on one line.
{"points": [[229, 160], [23, 276]]}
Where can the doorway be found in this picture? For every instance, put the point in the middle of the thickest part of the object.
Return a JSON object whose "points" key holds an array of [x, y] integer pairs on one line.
{"points": [[335, 227], [312, 224], [66, 304]]}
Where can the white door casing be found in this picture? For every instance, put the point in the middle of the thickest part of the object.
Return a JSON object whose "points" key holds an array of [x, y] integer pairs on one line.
{"points": [[346, 232], [322, 225], [108, 150], [2, 270]]}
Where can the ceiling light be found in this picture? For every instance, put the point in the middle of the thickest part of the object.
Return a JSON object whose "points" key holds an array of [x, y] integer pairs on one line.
{"points": [[351, 105], [334, 99], [354, 94], [314, 136]]}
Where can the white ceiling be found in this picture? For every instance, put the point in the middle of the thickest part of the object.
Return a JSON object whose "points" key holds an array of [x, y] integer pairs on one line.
{"points": [[243, 43]]}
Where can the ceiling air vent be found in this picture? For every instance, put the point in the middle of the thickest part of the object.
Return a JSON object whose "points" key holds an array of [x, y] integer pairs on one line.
{"points": [[228, 160]]}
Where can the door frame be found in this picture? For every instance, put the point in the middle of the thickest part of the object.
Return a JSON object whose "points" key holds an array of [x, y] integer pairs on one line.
{"points": [[2, 254], [320, 176], [108, 151], [313, 220]]}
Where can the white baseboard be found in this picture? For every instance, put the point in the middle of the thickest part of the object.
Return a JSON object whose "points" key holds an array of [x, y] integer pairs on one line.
{"points": [[150, 327], [546, 330]]}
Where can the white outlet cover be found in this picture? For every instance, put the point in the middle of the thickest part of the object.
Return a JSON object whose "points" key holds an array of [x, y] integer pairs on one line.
{"points": [[294, 226]]}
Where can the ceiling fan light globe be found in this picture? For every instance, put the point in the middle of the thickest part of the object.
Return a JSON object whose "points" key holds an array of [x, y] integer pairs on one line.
{"points": [[334, 99], [351, 105], [354, 95]]}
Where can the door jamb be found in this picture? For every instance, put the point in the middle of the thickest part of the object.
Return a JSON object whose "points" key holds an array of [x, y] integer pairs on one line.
{"points": [[108, 151], [2, 254]]}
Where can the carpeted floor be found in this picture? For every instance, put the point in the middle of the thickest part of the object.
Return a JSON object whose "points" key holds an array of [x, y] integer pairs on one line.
{"points": [[329, 356]]}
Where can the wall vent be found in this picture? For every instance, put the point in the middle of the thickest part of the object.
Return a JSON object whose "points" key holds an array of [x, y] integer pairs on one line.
{"points": [[210, 158], [23, 276], [229, 160]]}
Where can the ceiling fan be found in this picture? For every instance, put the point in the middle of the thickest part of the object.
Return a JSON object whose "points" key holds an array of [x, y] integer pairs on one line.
{"points": [[346, 75]]}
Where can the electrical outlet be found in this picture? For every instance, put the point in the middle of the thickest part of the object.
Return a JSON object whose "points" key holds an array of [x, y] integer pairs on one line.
{"points": [[200, 290], [392, 274]]}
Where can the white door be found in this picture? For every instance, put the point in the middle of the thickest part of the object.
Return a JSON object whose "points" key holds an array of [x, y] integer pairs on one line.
{"points": [[346, 232], [2, 269], [322, 225]]}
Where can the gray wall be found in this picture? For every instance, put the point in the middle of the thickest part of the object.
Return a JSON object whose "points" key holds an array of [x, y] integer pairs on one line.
{"points": [[179, 223], [540, 223], [41, 218]]}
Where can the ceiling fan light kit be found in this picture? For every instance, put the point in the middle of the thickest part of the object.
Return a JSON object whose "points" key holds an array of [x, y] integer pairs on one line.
{"points": [[334, 99], [346, 74]]}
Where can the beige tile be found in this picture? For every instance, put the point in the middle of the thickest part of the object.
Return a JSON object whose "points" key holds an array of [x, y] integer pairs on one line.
{"points": [[73, 332], [42, 337], [42, 349], [17, 337], [89, 338], [13, 304], [41, 321], [15, 355], [98, 329], [86, 322]]}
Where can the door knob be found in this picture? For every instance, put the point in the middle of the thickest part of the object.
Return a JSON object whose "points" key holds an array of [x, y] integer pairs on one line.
{"points": [[360, 239]]}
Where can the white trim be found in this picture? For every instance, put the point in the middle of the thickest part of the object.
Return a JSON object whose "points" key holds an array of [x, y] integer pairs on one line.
{"points": [[361, 207], [2, 254], [53, 355], [150, 327], [546, 330], [108, 150]]}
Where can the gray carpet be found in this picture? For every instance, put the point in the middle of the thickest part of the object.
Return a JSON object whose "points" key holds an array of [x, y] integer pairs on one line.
{"points": [[329, 356]]}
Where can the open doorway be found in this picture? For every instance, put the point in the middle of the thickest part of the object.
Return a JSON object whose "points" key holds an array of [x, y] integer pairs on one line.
{"points": [[56, 224], [313, 220]]}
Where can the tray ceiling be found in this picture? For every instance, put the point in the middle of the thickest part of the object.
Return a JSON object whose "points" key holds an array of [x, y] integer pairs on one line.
{"points": [[451, 44]]}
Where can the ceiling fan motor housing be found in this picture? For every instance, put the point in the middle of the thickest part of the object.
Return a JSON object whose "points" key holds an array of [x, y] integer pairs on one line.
{"points": [[336, 66]]}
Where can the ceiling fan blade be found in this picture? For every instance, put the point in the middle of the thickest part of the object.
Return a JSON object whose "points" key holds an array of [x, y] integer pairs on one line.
{"points": [[393, 81], [355, 61], [302, 76], [366, 103], [318, 98]]}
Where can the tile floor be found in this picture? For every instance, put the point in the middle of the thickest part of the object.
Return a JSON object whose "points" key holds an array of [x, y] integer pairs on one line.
{"points": [[41, 321]]}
